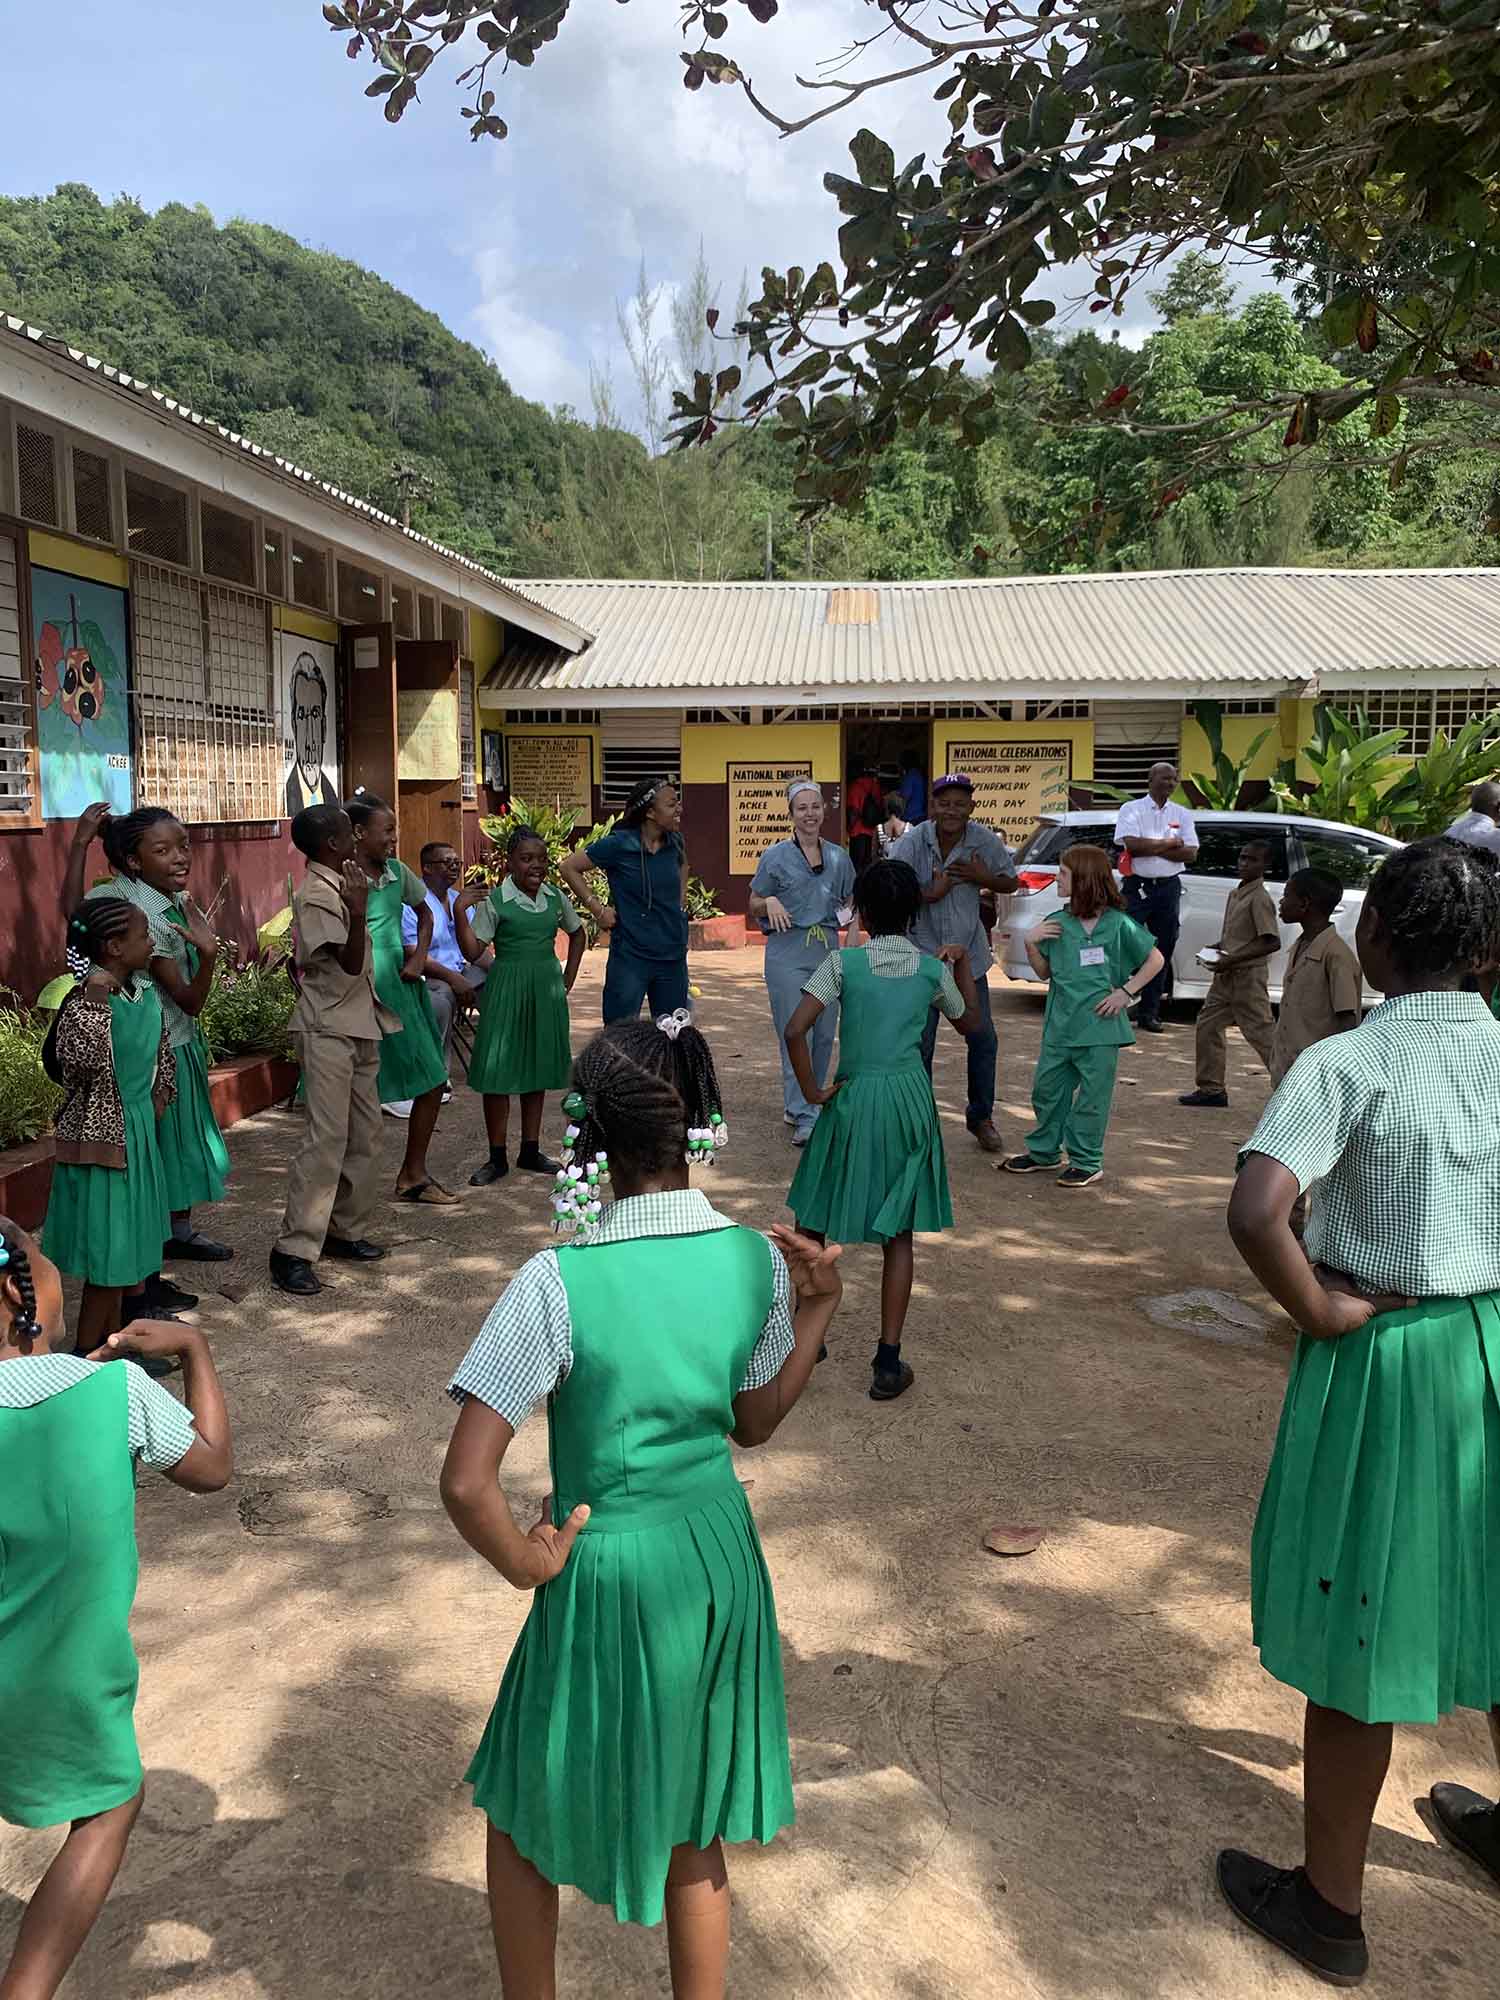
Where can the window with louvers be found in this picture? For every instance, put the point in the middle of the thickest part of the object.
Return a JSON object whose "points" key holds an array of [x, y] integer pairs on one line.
{"points": [[93, 506], [359, 594], [157, 519], [228, 545], [404, 611], [453, 626], [273, 543], [210, 747], [36, 475], [18, 769], [426, 618], [466, 731]]}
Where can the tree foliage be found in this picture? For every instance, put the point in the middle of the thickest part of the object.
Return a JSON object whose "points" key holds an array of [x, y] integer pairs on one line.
{"points": [[1102, 139]]}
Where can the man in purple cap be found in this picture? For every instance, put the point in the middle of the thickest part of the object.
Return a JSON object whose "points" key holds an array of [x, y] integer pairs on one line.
{"points": [[954, 860]]}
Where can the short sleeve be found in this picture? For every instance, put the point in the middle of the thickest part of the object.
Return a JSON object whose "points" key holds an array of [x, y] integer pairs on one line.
{"points": [[774, 1347], [567, 914], [1125, 821], [998, 858], [482, 920], [525, 1347], [908, 849], [1311, 1117], [844, 876], [608, 851], [1136, 946], [320, 925], [408, 925], [1264, 913], [827, 983], [950, 1002], [161, 1430], [413, 889], [168, 940], [767, 878], [1187, 827], [1345, 983]]}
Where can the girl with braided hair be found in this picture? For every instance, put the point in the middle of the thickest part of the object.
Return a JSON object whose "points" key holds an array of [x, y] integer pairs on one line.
{"points": [[108, 1213], [150, 854], [641, 1722], [72, 1432], [522, 1044], [645, 862], [1375, 1565]]}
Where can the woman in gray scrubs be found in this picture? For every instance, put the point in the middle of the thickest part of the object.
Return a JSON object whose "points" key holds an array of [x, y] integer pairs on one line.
{"points": [[800, 897]]}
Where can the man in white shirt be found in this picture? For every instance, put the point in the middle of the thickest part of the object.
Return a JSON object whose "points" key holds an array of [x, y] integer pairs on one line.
{"points": [[1161, 839], [451, 980], [1480, 825]]}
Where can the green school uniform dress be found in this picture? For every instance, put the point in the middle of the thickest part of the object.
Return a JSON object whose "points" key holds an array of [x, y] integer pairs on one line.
{"points": [[194, 1157], [1375, 1565], [642, 1708], [411, 1060], [107, 1224], [874, 1166], [1074, 1084], [522, 1042], [71, 1432]]}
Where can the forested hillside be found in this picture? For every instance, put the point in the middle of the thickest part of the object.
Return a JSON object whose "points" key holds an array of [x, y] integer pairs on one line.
{"points": [[325, 362]]}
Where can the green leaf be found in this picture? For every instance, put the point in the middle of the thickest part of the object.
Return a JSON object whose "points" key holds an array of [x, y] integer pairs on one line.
{"points": [[55, 992], [1009, 346], [1036, 312], [1386, 416], [874, 161]]}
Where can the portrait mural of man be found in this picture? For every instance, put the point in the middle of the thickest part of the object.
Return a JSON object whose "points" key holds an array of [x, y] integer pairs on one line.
{"points": [[309, 723]]}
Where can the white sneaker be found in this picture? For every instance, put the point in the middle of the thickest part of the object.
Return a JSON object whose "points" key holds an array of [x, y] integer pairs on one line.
{"points": [[399, 1107], [447, 1095]]}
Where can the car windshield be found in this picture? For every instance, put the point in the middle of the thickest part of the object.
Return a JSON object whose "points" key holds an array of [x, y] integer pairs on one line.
{"points": [[1051, 841]]}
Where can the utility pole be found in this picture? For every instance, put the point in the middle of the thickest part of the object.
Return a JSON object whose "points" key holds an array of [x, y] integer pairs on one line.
{"points": [[768, 546]]}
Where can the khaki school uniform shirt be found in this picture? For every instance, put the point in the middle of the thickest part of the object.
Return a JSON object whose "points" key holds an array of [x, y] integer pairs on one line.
{"points": [[1249, 916], [1322, 982], [332, 1001]]}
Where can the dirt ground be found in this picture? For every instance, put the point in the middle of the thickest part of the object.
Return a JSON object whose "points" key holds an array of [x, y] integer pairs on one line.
{"points": [[1011, 1775]]}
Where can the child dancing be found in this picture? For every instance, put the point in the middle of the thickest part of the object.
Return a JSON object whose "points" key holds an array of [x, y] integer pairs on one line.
{"points": [[874, 1169], [72, 1432], [1096, 961], [641, 1722], [1375, 1565]]}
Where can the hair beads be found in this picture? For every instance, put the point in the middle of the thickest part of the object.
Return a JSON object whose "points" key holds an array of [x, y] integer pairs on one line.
{"points": [[578, 1191], [703, 1141]]}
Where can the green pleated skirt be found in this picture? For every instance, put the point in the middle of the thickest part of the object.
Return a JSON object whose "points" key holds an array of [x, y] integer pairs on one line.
{"points": [[411, 1063], [1375, 1563], [107, 1225], [194, 1158], [874, 1166], [522, 1041], [642, 1708]]}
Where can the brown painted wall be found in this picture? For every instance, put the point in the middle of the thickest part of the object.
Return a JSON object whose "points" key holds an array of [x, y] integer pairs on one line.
{"points": [[255, 860], [705, 829]]}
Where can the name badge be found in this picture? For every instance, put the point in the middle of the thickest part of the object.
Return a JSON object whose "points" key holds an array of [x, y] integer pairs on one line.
{"points": [[1091, 954]]}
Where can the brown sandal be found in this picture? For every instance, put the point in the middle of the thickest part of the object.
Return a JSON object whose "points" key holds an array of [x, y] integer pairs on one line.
{"points": [[428, 1194]]}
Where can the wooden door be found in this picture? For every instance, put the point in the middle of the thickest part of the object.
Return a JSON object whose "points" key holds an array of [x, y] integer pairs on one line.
{"points": [[370, 724], [429, 801]]}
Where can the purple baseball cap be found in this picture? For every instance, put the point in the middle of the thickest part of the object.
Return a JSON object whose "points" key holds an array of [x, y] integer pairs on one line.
{"points": [[952, 778]]}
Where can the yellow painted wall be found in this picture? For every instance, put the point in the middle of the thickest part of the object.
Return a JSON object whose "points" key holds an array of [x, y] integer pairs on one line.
{"points": [[708, 746], [1079, 734], [1240, 731], [306, 624], [486, 641], [77, 558]]}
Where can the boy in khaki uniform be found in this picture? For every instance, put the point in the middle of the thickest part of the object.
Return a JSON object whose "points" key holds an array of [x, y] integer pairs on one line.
{"points": [[1323, 987], [1240, 993], [337, 1027]]}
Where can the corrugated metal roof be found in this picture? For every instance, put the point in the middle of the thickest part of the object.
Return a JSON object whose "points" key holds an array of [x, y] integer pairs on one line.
{"points": [[1114, 634], [58, 348]]}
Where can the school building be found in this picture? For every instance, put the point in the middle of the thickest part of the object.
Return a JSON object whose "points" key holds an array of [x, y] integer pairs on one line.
{"points": [[1039, 687], [187, 620]]}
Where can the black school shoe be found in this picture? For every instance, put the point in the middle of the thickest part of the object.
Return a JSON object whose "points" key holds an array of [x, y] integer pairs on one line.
{"points": [[294, 1275], [1151, 1027], [1207, 1100], [887, 1384], [356, 1250], [1266, 1899], [495, 1168], [532, 1160], [197, 1249], [1471, 1823], [162, 1296]]}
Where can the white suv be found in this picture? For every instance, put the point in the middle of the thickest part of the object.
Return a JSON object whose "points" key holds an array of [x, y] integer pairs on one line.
{"points": [[1347, 852]]}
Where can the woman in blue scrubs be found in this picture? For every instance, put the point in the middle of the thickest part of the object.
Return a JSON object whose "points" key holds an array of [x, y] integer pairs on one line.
{"points": [[800, 897], [645, 863]]}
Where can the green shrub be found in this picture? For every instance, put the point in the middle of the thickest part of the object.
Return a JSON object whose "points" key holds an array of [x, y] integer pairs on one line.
{"points": [[702, 902], [560, 832], [28, 1096], [248, 1008]]}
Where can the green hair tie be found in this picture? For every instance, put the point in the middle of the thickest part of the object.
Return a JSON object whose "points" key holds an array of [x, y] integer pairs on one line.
{"points": [[574, 1105]]}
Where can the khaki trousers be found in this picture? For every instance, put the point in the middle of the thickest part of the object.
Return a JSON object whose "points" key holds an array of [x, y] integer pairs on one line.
{"points": [[1240, 1000], [331, 1188]]}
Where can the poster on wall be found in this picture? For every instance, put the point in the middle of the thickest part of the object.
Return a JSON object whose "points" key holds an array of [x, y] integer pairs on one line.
{"points": [[758, 810], [1014, 783], [552, 771], [307, 708], [82, 693], [426, 733]]}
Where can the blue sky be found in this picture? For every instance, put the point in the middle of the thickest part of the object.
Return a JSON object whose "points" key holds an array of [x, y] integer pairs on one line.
{"points": [[522, 247]]}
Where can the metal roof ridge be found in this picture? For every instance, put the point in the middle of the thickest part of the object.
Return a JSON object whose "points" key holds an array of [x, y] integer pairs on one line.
{"points": [[39, 337], [1077, 579]]}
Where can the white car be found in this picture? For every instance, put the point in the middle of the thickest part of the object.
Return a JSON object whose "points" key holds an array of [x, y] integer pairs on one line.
{"points": [[1347, 852]]}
